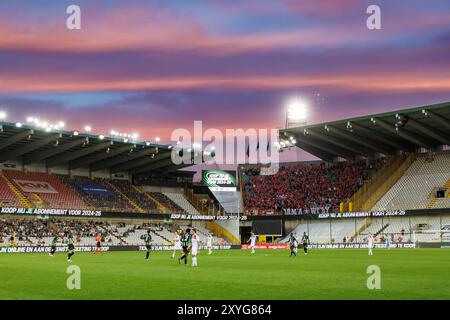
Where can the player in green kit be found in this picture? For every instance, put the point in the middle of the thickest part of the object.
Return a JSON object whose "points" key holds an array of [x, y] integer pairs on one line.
{"points": [[148, 243], [186, 244], [54, 241], [293, 243], [71, 248], [305, 242]]}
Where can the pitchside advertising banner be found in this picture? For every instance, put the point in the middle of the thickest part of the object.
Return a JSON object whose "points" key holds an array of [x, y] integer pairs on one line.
{"points": [[97, 213], [62, 249], [35, 186], [49, 212], [284, 246], [219, 180]]}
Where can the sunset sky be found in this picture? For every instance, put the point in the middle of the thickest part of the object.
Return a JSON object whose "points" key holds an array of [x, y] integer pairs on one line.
{"points": [[154, 66]]}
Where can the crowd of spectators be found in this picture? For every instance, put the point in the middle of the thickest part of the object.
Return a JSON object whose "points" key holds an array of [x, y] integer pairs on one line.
{"points": [[24, 229], [40, 232], [304, 186]]}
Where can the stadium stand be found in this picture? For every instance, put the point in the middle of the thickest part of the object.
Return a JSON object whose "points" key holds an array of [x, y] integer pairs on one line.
{"points": [[413, 190], [67, 193], [167, 203], [9, 195], [305, 185], [57, 195], [134, 195], [403, 229], [181, 202], [110, 202], [37, 232]]}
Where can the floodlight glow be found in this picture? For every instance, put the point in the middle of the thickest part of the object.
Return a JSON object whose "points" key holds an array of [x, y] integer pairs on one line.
{"points": [[157, 139], [87, 128], [19, 125], [75, 133], [101, 137], [297, 110], [3, 115]]}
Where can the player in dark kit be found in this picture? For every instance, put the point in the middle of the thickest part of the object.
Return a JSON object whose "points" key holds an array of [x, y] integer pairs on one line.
{"points": [[53, 249], [293, 243], [71, 248], [186, 245], [305, 242], [148, 243]]}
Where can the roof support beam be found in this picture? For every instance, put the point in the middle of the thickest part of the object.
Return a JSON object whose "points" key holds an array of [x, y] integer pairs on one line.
{"points": [[314, 150], [326, 152], [99, 165], [338, 143], [383, 138], [140, 162], [44, 154], [87, 161], [402, 133], [365, 142], [64, 158], [5, 143], [440, 119], [28, 147], [431, 132], [152, 166]]}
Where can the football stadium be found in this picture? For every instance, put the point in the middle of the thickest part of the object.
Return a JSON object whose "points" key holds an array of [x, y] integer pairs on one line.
{"points": [[119, 211], [219, 150]]}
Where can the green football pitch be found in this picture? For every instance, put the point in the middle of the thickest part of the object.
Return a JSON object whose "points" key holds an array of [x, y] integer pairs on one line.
{"points": [[234, 274]]}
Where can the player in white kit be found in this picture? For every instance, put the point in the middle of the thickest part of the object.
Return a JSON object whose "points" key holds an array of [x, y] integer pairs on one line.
{"points": [[209, 243], [195, 246], [370, 243], [252, 241], [176, 244]]}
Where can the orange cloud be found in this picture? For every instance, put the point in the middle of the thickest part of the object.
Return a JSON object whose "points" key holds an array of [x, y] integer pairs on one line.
{"points": [[369, 82]]}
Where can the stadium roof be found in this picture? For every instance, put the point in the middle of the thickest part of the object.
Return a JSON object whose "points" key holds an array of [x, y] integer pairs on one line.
{"points": [[74, 150], [386, 133]]}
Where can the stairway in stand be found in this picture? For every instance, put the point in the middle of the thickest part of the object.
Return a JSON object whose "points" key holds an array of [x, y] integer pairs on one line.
{"points": [[22, 198], [121, 194]]}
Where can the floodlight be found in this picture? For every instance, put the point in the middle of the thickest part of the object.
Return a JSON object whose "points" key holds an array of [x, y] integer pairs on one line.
{"points": [[297, 110]]}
